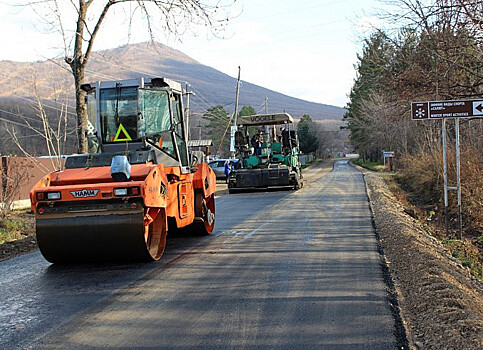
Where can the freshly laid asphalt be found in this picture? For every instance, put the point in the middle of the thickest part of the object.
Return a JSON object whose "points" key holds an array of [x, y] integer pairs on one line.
{"points": [[283, 270]]}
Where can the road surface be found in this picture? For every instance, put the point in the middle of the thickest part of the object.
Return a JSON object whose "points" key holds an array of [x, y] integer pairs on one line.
{"points": [[283, 270]]}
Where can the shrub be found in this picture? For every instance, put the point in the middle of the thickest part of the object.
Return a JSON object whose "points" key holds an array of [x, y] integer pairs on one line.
{"points": [[422, 176]]}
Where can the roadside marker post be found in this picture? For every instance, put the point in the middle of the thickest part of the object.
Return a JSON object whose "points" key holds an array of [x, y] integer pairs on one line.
{"points": [[388, 155], [455, 109]]}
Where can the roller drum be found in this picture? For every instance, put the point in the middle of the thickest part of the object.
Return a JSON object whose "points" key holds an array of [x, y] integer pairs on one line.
{"points": [[93, 238]]}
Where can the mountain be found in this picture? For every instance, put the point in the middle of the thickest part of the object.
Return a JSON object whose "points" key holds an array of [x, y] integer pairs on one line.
{"points": [[53, 80]]}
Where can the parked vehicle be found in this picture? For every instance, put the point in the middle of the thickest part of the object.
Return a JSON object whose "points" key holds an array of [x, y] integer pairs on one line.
{"points": [[218, 167]]}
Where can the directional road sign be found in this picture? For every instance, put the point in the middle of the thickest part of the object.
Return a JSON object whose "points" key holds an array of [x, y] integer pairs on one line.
{"points": [[446, 109]]}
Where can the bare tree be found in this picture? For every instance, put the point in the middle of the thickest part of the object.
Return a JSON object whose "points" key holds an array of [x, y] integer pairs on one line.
{"points": [[454, 29], [175, 16], [54, 136], [13, 176]]}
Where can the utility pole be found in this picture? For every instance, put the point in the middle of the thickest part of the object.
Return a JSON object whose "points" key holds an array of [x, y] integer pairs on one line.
{"points": [[199, 126], [234, 117], [187, 110], [274, 128], [235, 114]]}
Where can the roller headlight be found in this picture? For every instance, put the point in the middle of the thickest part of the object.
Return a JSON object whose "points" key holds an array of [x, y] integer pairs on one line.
{"points": [[120, 192]]}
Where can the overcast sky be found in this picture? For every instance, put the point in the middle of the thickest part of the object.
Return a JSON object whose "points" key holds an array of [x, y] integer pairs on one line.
{"points": [[305, 48]]}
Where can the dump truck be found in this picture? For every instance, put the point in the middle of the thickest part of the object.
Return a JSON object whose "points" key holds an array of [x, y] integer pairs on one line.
{"points": [[268, 158], [137, 183]]}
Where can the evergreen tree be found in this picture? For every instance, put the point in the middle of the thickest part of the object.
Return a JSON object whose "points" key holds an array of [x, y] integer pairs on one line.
{"points": [[372, 69], [218, 128], [307, 133], [247, 110]]}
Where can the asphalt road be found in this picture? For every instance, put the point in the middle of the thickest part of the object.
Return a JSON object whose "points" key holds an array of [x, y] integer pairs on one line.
{"points": [[283, 270]]}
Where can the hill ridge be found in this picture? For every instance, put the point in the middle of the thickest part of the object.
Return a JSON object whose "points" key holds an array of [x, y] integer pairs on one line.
{"points": [[212, 87]]}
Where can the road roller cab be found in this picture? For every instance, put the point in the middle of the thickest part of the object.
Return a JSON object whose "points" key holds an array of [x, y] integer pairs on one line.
{"points": [[118, 202]]}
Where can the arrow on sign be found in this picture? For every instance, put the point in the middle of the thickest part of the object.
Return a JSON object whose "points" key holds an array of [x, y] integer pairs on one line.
{"points": [[478, 108]]}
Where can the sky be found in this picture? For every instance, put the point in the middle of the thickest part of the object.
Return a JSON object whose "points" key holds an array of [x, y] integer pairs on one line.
{"points": [[305, 48]]}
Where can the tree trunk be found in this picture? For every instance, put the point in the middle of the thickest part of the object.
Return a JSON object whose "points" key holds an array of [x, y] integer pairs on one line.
{"points": [[80, 106], [77, 65]]}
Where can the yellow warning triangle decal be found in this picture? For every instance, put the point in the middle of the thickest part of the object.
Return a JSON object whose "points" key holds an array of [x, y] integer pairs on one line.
{"points": [[121, 132]]}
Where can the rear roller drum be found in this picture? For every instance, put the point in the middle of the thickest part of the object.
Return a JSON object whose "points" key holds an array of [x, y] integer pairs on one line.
{"points": [[155, 232], [205, 213]]}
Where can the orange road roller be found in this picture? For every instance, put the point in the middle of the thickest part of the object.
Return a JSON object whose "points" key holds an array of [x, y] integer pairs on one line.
{"points": [[137, 183]]}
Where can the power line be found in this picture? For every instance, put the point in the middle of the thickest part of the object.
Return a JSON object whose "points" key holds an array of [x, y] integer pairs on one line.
{"points": [[106, 60], [204, 100], [18, 115], [199, 97], [35, 101], [46, 105], [12, 122], [26, 125]]}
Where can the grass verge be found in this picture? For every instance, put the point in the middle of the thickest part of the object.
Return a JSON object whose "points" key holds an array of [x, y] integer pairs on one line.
{"points": [[15, 226], [374, 166]]}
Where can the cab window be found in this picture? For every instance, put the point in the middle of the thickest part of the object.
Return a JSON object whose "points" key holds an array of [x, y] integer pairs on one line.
{"points": [[119, 110], [179, 128]]}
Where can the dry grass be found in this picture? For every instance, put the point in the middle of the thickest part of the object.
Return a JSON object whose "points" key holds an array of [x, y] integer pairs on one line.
{"points": [[15, 226], [421, 176], [468, 251]]}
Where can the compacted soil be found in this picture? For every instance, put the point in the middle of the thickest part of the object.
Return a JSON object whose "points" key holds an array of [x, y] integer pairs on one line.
{"points": [[10, 249], [438, 303]]}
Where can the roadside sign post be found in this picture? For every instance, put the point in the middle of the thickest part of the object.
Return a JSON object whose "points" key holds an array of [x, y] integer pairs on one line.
{"points": [[458, 178], [443, 110], [388, 155], [445, 177]]}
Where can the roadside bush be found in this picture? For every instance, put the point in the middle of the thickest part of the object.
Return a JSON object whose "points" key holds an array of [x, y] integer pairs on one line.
{"points": [[422, 176]]}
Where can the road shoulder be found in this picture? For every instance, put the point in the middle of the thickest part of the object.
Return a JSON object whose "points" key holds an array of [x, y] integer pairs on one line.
{"points": [[441, 305]]}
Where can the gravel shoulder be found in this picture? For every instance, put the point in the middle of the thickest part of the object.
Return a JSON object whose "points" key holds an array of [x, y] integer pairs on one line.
{"points": [[440, 303]]}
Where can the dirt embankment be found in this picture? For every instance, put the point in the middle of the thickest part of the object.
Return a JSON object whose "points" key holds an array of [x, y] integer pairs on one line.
{"points": [[441, 304]]}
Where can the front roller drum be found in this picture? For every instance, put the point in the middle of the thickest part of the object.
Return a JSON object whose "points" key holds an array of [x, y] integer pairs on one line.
{"points": [[119, 237]]}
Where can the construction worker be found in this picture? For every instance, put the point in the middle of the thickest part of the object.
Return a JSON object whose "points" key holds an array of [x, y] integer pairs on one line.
{"points": [[227, 169], [257, 141]]}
